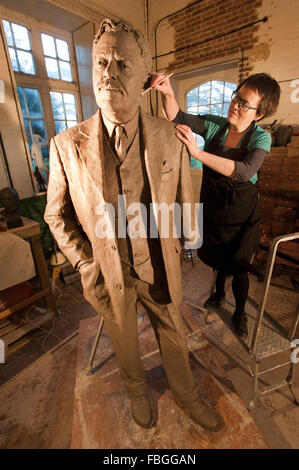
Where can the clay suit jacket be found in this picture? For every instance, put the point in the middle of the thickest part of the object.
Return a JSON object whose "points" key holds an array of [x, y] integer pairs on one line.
{"points": [[76, 201]]}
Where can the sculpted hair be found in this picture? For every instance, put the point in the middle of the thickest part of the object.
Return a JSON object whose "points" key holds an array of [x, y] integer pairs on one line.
{"points": [[269, 90], [110, 26]]}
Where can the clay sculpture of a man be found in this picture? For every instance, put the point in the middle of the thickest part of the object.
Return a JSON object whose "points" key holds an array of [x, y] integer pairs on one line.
{"points": [[122, 155]]}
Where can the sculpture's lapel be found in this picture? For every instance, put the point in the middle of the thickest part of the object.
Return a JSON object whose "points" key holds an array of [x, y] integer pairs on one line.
{"points": [[89, 144]]}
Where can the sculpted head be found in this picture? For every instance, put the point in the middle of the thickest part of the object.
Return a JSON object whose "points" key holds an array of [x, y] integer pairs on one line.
{"points": [[9, 198], [121, 64]]}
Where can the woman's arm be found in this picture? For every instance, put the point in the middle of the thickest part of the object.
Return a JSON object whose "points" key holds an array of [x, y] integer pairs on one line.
{"points": [[171, 109], [250, 165], [222, 165], [169, 103], [239, 171]]}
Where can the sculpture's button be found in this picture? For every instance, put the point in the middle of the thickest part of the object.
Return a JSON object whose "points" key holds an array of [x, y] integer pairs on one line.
{"points": [[119, 286]]}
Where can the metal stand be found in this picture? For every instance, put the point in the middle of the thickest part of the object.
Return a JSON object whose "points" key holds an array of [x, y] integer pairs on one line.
{"points": [[267, 337], [95, 345]]}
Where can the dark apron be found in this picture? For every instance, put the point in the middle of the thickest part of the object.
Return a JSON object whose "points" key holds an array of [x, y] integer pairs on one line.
{"points": [[230, 213]]}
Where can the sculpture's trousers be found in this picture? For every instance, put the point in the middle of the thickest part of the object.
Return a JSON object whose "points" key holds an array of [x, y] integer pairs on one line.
{"points": [[170, 336]]}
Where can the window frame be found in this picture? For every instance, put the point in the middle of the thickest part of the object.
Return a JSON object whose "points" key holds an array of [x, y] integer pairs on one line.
{"points": [[19, 48], [198, 84], [40, 80], [28, 117], [57, 57], [77, 100]]}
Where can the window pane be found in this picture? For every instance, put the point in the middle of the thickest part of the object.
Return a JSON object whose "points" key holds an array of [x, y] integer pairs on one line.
{"points": [[62, 49], [192, 162], [48, 45], [45, 154], [8, 33], [26, 62], [28, 130], [21, 36], [33, 102], [71, 124], [69, 98], [192, 97], [217, 92], [38, 127], [228, 89], [216, 109], [195, 164], [52, 68], [204, 93], [70, 110], [57, 105], [204, 110], [192, 110], [60, 126], [200, 141], [22, 100], [65, 71], [225, 109], [13, 59]]}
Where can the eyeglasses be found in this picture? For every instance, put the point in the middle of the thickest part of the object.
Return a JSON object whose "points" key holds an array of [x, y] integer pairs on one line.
{"points": [[242, 104]]}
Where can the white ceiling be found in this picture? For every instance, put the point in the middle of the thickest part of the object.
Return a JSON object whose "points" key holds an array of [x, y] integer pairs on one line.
{"points": [[46, 12]]}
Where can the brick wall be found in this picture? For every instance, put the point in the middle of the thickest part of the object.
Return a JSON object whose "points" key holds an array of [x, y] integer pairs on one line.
{"points": [[210, 18]]}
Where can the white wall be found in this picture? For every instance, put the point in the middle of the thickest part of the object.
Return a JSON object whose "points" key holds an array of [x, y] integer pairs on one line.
{"points": [[130, 10], [277, 53]]}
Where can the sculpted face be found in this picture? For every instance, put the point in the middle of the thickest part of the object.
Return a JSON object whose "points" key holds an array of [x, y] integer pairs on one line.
{"points": [[10, 200], [118, 75]]}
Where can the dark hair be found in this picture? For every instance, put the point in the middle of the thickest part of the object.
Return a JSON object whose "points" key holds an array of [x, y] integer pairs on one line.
{"points": [[267, 88], [110, 26]]}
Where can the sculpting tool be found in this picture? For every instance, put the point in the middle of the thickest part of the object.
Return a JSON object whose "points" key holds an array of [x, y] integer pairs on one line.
{"points": [[148, 89]]}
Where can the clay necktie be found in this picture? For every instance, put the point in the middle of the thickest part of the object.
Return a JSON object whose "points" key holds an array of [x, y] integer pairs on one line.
{"points": [[120, 141]]}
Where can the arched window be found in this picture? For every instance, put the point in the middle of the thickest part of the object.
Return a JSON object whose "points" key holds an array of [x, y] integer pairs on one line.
{"points": [[212, 97]]}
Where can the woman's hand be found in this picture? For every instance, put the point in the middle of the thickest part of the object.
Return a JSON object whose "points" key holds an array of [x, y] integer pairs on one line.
{"points": [[186, 136], [161, 82]]}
